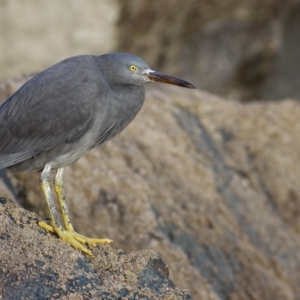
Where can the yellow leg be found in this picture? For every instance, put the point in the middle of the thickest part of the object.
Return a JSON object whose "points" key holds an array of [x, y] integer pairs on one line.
{"points": [[45, 185], [59, 189], [68, 234]]}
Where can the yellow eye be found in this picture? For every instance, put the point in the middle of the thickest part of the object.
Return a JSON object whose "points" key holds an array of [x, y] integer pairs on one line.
{"points": [[133, 68]]}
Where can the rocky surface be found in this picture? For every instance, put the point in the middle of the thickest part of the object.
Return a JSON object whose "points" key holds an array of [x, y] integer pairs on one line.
{"points": [[211, 186], [36, 265]]}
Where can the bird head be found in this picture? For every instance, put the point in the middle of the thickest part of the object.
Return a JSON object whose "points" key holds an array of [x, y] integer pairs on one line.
{"points": [[122, 68]]}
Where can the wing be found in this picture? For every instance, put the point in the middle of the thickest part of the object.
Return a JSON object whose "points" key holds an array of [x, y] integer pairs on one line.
{"points": [[56, 106]]}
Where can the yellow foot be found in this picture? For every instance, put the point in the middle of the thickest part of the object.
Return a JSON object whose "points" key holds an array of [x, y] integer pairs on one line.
{"points": [[75, 239]]}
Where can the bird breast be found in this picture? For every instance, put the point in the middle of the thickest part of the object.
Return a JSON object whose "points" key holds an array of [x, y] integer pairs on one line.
{"points": [[119, 111]]}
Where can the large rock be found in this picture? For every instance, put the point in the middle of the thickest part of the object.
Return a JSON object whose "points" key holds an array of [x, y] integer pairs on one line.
{"points": [[211, 186]]}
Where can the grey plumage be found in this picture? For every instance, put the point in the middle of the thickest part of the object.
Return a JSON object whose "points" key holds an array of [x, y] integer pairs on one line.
{"points": [[49, 115], [72, 107], [64, 111]]}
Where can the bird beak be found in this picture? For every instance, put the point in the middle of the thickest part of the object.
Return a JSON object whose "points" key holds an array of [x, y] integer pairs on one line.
{"points": [[154, 76]]}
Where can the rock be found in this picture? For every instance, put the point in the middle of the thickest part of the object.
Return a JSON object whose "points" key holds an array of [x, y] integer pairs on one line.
{"points": [[37, 265], [284, 76], [211, 186]]}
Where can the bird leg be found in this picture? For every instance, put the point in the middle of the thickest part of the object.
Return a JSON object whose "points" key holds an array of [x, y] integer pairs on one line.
{"points": [[45, 185], [68, 234], [59, 189]]}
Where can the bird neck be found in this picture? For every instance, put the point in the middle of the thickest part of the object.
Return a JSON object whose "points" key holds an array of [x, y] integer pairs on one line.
{"points": [[130, 95]]}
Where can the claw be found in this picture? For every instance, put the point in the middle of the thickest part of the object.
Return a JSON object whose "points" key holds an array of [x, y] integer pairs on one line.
{"points": [[46, 226], [73, 238]]}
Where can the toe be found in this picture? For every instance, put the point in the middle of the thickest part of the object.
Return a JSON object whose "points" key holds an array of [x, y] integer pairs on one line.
{"points": [[94, 242], [46, 226], [73, 238], [69, 238]]}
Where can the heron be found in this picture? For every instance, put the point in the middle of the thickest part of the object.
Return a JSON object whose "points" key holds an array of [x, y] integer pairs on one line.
{"points": [[61, 113]]}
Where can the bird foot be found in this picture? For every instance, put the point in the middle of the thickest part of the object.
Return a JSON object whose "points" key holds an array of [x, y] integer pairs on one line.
{"points": [[73, 238]]}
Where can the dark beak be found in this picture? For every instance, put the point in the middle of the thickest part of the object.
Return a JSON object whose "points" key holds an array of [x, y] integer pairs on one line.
{"points": [[159, 77]]}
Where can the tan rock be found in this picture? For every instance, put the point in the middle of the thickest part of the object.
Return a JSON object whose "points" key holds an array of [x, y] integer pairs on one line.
{"points": [[36, 265]]}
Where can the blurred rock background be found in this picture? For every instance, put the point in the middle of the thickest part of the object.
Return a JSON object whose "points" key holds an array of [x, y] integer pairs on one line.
{"points": [[245, 50], [211, 186]]}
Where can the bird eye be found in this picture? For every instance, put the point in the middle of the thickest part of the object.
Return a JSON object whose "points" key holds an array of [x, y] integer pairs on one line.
{"points": [[133, 68]]}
